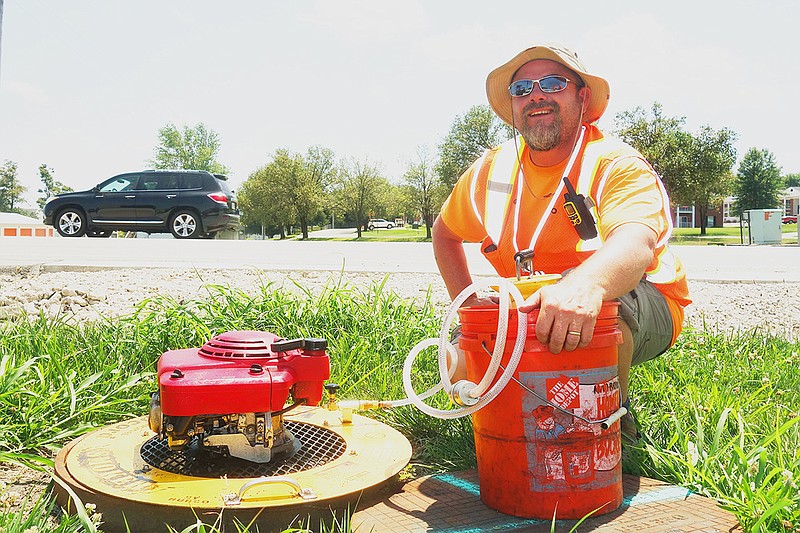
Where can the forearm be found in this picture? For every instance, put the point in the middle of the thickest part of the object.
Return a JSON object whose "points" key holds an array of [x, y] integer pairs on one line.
{"points": [[618, 265], [573, 304], [448, 250]]}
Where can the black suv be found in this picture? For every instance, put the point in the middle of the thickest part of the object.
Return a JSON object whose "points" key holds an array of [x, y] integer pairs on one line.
{"points": [[187, 203]]}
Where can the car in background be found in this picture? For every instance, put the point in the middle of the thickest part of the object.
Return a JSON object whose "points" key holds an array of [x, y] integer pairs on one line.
{"points": [[789, 219], [187, 203], [379, 223]]}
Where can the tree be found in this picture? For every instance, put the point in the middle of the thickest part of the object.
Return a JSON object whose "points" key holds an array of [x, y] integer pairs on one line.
{"points": [[424, 188], [359, 190], [193, 148], [311, 190], [661, 140], [758, 181], [470, 134], [791, 180], [711, 158], [290, 189], [259, 202], [695, 169], [11, 190], [52, 187], [266, 198]]}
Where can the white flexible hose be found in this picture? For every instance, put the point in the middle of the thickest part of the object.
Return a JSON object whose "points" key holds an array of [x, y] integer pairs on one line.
{"points": [[412, 355], [446, 349], [505, 288]]}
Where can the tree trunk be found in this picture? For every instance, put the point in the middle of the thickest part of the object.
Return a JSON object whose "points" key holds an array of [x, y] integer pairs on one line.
{"points": [[304, 227], [702, 210], [428, 224]]}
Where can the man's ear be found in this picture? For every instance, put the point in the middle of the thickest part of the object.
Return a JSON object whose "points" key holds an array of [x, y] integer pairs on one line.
{"points": [[586, 96]]}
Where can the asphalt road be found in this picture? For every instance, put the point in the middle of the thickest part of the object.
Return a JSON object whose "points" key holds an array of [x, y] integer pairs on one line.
{"points": [[711, 263]]}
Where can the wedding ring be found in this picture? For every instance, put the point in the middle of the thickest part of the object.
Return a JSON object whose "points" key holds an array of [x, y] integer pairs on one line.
{"points": [[578, 333]]}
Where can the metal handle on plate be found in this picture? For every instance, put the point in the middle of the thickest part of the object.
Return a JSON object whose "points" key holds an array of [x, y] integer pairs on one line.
{"points": [[236, 499]]}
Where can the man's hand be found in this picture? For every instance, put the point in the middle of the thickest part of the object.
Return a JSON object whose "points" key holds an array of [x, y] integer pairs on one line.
{"points": [[567, 315], [569, 309]]}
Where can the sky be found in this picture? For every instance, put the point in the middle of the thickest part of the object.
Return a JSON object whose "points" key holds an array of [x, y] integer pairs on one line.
{"points": [[86, 85]]}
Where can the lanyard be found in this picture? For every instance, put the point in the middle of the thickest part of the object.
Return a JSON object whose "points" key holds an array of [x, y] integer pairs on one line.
{"points": [[556, 195]]}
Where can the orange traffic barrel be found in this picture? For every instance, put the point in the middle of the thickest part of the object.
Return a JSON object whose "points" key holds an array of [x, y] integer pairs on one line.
{"points": [[540, 447]]}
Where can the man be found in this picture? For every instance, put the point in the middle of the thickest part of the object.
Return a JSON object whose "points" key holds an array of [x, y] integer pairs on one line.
{"points": [[513, 199]]}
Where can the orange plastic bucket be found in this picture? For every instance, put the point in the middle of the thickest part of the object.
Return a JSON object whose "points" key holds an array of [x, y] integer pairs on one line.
{"points": [[535, 460]]}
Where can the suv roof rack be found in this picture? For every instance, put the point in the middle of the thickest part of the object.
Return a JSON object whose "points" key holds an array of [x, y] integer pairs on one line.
{"points": [[185, 170]]}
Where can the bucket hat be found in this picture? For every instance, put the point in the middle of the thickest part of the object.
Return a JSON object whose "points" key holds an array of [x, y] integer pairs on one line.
{"points": [[500, 78]]}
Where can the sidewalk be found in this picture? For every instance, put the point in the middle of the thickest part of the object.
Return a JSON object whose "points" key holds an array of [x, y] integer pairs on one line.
{"points": [[707, 263]]}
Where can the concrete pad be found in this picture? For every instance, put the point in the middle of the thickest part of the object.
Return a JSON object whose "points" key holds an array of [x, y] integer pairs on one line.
{"points": [[450, 503]]}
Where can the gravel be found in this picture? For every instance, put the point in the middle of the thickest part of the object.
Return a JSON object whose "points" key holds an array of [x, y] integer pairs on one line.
{"points": [[91, 295]]}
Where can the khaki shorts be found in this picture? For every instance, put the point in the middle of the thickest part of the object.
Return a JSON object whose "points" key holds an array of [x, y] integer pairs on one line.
{"points": [[645, 311]]}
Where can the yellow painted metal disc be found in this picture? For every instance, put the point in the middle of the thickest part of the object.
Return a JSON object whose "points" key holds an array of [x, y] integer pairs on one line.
{"points": [[108, 461]]}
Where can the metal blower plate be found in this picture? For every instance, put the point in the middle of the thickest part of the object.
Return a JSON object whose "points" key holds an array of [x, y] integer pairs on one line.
{"points": [[347, 459], [319, 447]]}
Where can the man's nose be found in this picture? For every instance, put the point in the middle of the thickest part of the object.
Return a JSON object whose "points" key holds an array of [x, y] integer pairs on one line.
{"points": [[537, 92]]}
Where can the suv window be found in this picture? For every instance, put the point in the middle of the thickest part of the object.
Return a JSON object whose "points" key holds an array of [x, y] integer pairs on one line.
{"points": [[191, 181], [120, 184], [160, 181]]}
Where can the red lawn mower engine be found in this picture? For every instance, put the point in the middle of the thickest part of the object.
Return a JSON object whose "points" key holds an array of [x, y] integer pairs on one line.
{"points": [[230, 396]]}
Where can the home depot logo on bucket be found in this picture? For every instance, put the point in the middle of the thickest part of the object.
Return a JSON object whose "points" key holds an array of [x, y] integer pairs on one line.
{"points": [[564, 451]]}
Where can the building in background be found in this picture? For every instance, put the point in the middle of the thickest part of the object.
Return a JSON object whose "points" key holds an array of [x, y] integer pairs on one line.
{"points": [[16, 225]]}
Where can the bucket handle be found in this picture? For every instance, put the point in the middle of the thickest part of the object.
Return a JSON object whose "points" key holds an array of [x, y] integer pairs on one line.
{"points": [[236, 499], [605, 423]]}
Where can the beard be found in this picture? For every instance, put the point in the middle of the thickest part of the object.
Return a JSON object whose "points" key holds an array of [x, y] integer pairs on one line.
{"points": [[542, 137]]}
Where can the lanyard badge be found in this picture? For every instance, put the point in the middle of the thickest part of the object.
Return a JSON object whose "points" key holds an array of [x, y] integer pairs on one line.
{"points": [[578, 213]]}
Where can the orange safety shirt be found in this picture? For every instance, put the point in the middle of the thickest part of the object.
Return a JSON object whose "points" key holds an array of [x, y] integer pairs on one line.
{"points": [[620, 183]]}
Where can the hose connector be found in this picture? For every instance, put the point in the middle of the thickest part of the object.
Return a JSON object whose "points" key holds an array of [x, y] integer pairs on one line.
{"points": [[460, 393], [364, 405], [348, 406], [333, 392], [616, 415]]}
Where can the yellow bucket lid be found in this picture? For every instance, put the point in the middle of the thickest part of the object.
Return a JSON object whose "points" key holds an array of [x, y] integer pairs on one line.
{"points": [[528, 286]]}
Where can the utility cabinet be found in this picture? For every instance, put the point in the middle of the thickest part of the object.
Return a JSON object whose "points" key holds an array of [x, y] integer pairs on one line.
{"points": [[765, 226]]}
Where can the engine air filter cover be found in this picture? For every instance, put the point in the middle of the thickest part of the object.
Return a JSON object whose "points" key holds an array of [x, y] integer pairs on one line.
{"points": [[242, 372]]}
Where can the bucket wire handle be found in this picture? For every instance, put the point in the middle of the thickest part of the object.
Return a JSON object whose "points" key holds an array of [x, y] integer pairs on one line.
{"points": [[605, 423], [236, 499]]}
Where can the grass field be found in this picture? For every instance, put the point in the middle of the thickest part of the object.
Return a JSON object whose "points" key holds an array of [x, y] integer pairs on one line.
{"points": [[404, 234], [728, 235], [720, 413]]}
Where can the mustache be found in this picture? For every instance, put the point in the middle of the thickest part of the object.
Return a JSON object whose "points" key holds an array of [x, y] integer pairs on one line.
{"points": [[533, 106]]}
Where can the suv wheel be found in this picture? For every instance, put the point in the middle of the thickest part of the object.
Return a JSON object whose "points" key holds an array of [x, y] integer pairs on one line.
{"points": [[370, 227], [389, 225], [71, 222], [184, 225]]}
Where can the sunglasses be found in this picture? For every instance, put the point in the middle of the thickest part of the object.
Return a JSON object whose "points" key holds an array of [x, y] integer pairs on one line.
{"points": [[548, 84]]}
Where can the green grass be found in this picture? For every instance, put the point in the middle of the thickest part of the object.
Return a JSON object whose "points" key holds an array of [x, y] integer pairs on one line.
{"points": [[728, 235], [721, 412], [404, 234]]}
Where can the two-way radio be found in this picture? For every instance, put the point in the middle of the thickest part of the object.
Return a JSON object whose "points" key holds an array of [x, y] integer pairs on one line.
{"points": [[578, 213]]}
